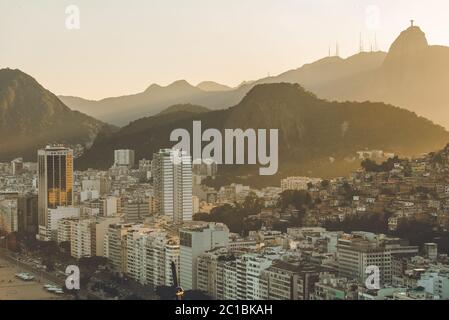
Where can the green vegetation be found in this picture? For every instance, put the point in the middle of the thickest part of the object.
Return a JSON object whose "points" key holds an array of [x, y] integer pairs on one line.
{"points": [[234, 216], [386, 166]]}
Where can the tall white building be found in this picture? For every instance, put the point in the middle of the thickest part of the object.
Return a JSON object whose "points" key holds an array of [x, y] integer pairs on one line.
{"points": [[81, 235], [101, 227], [196, 239], [124, 158], [250, 284], [115, 245], [172, 178], [54, 216], [109, 206], [82, 242]]}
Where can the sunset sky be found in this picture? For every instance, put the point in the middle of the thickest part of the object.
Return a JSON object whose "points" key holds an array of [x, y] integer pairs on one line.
{"points": [[124, 46]]}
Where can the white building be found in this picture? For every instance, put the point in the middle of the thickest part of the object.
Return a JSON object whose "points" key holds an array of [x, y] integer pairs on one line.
{"points": [[431, 251], [82, 242], [357, 251], [101, 227], [115, 245], [297, 183], [124, 158], [172, 178], [196, 239], [150, 253], [81, 235], [435, 283], [89, 195], [109, 206], [250, 284], [54, 216], [65, 229], [217, 274]]}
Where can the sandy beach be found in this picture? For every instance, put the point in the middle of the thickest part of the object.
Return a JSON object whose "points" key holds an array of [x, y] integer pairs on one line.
{"points": [[12, 288]]}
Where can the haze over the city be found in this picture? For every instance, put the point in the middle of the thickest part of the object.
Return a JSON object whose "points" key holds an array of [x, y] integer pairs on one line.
{"points": [[122, 47]]}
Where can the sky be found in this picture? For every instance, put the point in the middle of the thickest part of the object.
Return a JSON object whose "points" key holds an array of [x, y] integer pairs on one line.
{"points": [[123, 46]]}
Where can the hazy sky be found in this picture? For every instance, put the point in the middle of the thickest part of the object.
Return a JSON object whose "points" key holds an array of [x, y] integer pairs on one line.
{"points": [[123, 46]]}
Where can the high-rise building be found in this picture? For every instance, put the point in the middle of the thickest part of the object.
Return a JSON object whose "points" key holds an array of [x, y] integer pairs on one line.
{"points": [[124, 158], [17, 166], [196, 239], [251, 283], [9, 217], [101, 228], [28, 213], [55, 184], [136, 210], [54, 216], [150, 253], [109, 206], [172, 178], [360, 250], [291, 281], [82, 238], [115, 246], [80, 233], [431, 250], [217, 274], [18, 212]]}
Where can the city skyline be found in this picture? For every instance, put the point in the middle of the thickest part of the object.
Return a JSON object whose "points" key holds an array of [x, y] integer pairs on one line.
{"points": [[177, 193], [121, 49]]}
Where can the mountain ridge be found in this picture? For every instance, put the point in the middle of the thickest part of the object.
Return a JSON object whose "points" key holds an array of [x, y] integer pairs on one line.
{"points": [[31, 116], [150, 101], [311, 130]]}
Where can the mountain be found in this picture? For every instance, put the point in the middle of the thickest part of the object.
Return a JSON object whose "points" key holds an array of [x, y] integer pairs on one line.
{"points": [[122, 110], [414, 75], [311, 131], [31, 117], [184, 108], [211, 86]]}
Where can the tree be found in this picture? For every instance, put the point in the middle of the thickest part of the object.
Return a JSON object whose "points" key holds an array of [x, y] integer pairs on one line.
{"points": [[296, 198], [386, 166], [253, 204], [234, 216], [325, 184]]}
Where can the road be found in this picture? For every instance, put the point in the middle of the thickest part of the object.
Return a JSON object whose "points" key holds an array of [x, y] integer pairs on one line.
{"points": [[43, 276], [40, 274]]}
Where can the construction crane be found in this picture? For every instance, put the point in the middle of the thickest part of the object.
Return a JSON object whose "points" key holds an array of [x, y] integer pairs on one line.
{"points": [[179, 291]]}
